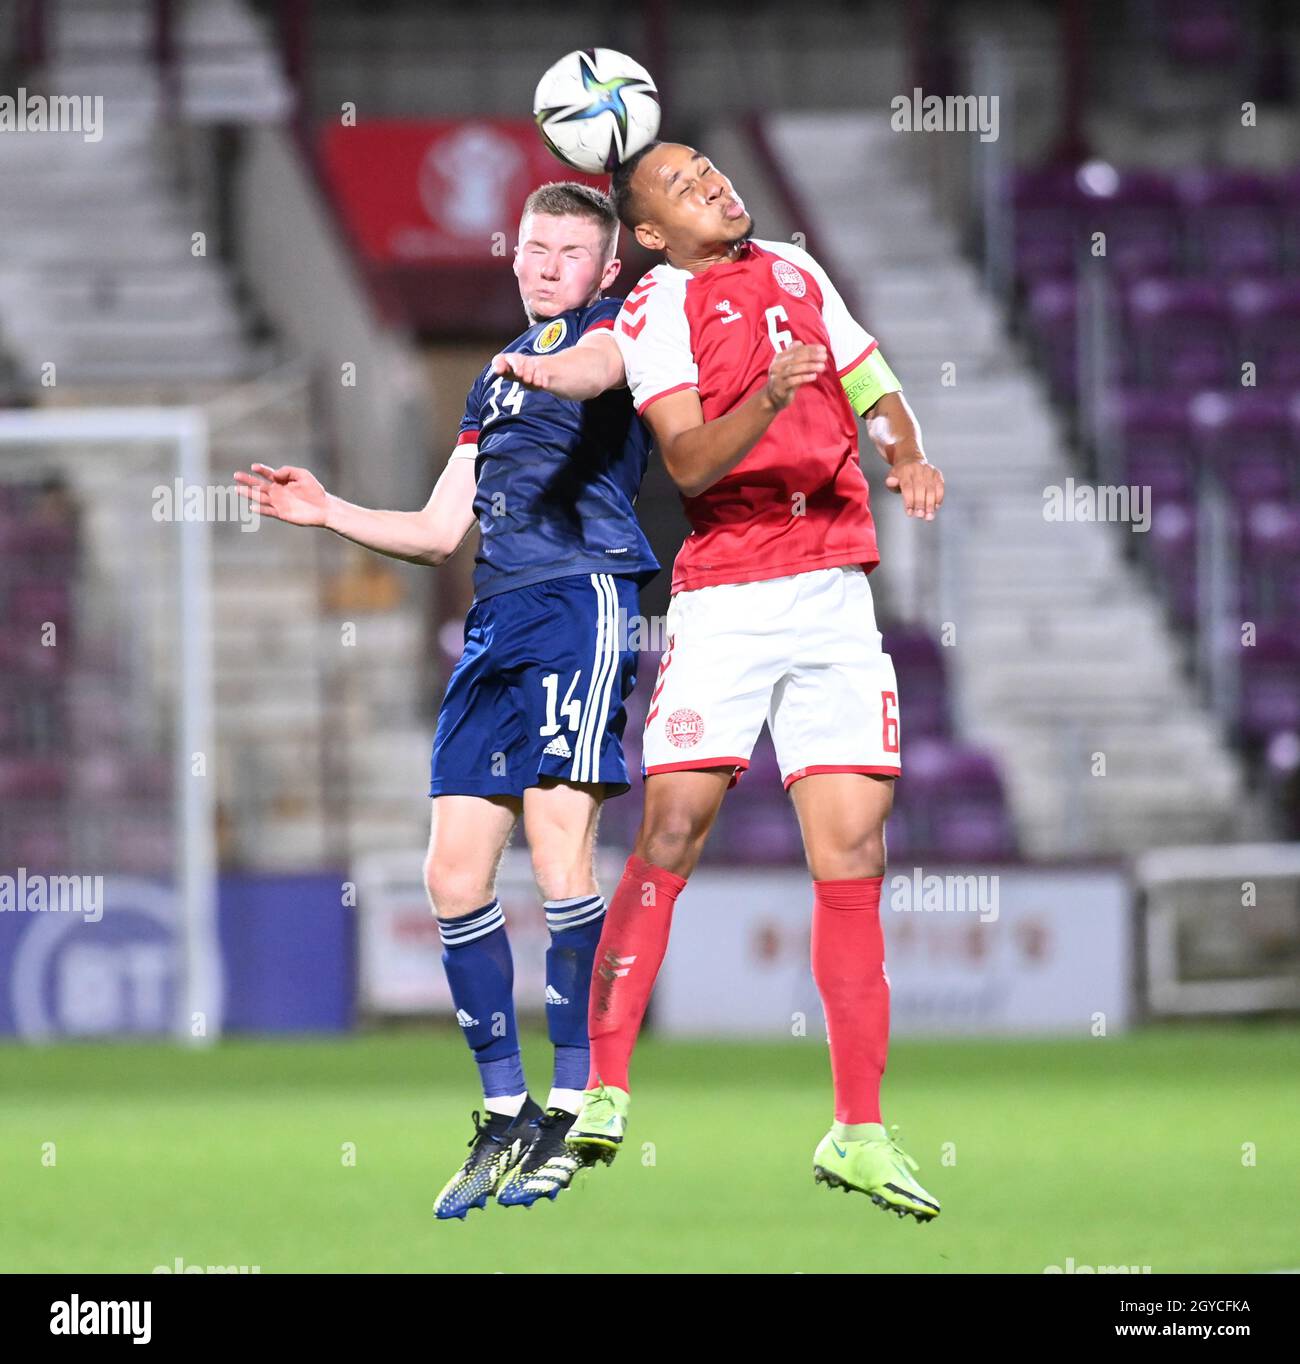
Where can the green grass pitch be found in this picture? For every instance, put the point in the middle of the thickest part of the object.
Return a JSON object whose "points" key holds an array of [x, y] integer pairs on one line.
{"points": [[1121, 1151]]}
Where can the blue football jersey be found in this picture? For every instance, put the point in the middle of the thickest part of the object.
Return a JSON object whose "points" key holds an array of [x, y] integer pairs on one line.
{"points": [[557, 479]]}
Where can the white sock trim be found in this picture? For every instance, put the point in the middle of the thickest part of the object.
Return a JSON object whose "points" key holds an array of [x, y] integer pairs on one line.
{"points": [[506, 1103], [568, 1099]]}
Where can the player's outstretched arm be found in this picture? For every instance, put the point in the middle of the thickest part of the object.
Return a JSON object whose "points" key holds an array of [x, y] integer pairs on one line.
{"points": [[429, 536], [584, 371], [896, 433], [697, 453]]}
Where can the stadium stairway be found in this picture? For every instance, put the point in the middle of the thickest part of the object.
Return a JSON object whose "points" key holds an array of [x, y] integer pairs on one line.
{"points": [[112, 269], [225, 67], [1062, 660]]}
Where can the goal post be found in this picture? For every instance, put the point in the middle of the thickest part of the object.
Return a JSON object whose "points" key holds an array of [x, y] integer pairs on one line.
{"points": [[38, 442]]}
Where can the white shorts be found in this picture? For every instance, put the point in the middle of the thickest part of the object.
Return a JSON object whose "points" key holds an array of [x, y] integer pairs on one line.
{"points": [[802, 653]]}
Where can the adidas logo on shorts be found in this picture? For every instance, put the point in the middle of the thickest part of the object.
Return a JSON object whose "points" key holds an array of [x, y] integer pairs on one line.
{"points": [[558, 747], [553, 996]]}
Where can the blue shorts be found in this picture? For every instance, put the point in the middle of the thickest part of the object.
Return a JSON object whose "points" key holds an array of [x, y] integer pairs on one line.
{"points": [[539, 690]]}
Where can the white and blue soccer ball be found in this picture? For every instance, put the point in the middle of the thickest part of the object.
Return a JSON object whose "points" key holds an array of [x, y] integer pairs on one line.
{"points": [[595, 108]]}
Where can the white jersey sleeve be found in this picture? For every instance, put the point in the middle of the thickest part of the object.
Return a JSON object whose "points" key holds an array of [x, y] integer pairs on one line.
{"points": [[850, 341], [654, 337]]}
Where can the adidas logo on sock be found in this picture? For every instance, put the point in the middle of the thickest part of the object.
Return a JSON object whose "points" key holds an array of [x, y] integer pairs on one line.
{"points": [[465, 1020], [553, 996], [558, 747]]}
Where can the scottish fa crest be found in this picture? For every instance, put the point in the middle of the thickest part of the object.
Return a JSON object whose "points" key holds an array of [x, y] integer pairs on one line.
{"points": [[551, 335]]}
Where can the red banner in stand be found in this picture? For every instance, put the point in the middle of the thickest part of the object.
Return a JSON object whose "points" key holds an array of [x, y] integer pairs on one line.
{"points": [[436, 191]]}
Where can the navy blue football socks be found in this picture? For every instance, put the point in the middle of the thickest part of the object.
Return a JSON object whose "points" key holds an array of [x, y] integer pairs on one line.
{"points": [[481, 974], [575, 926]]}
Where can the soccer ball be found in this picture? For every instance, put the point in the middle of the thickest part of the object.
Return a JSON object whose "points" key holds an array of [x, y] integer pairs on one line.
{"points": [[595, 108]]}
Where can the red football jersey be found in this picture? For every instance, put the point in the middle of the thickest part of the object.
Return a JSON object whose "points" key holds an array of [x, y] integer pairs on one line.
{"points": [[798, 500]]}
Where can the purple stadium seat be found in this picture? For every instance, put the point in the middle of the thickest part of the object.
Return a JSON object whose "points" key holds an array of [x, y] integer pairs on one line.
{"points": [[1169, 476], [29, 778], [23, 655], [1044, 202], [757, 830], [1233, 220], [1152, 421], [1171, 542], [33, 602], [764, 772], [1272, 533], [939, 768], [48, 548], [1059, 208], [1270, 568], [900, 841], [919, 663], [1243, 437], [38, 842], [1181, 333], [1253, 475], [1045, 256], [952, 803], [970, 831], [12, 736], [1240, 420], [1137, 210], [1266, 315], [1270, 684]]}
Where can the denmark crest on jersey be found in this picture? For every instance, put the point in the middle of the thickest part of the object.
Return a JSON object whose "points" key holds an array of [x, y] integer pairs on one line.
{"points": [[550, 336], [789, 278]]}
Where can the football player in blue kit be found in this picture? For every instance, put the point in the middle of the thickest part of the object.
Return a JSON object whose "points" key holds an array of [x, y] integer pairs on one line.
{"points": [[532, 720]]}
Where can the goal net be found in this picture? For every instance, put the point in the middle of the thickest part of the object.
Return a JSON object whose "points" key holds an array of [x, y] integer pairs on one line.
{"points": [[107, 864]]}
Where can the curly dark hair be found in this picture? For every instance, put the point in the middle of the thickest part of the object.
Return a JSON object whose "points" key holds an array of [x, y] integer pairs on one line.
{"points": [[620, 187]]}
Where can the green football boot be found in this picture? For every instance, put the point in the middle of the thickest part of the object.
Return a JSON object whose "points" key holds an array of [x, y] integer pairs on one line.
{"points": [[598, 1130], [876, 1165]]}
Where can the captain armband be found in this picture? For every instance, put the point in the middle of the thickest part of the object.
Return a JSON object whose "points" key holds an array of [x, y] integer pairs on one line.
{"points": [[868, 382]]}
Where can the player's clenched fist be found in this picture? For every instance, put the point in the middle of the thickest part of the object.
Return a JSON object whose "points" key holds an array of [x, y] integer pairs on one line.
{"points": [[792, 368], [529, 370], [287, 493]]}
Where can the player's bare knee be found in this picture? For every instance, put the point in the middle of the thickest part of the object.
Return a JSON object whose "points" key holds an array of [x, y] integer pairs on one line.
{"points": [[673, 841], [454, 891], [563, 877], [849, 859]]}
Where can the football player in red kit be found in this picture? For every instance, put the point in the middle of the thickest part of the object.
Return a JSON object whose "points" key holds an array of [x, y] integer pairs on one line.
{"points": [[748, 368]]}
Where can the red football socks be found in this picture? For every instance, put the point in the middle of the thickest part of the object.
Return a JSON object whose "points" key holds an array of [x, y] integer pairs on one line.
{"points": [[848, 966], [631, 950]]}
